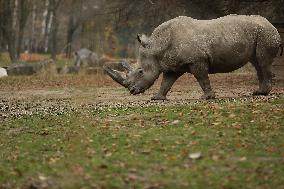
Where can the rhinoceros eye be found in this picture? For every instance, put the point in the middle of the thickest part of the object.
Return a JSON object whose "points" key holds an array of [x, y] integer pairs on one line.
{"points": [[140, 71]]}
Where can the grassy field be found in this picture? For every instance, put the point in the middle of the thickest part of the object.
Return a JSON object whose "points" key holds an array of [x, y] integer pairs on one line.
{"points": [[85, 131], [240, 141]]}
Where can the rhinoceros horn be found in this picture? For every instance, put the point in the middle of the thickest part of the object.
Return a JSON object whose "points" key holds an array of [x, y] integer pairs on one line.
{"points": [[115, 76], [126, 65]]}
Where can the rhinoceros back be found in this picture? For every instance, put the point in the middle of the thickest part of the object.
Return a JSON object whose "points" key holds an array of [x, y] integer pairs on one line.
{"points": [[227, 43]]}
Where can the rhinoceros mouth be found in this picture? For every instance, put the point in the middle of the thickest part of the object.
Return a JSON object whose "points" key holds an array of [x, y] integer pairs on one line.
{"points": [[135, 90]]}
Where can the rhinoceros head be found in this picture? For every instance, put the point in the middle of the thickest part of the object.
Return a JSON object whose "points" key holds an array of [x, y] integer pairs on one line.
{"points": [[141, 78], [136, 80]]}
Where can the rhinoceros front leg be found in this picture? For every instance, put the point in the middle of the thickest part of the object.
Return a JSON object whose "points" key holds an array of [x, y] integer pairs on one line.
{"points": [[200, 72], [166, 85]]}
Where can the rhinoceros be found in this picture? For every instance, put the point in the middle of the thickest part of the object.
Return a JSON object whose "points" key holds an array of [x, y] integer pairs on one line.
{"points": [[85, 56], [202, 47]]}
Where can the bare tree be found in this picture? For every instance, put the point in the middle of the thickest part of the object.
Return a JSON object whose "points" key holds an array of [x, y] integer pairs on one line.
{"points": [[73, 23], [14, 14], [80, 11], [33, 26], [47, 22], [54, 4]]}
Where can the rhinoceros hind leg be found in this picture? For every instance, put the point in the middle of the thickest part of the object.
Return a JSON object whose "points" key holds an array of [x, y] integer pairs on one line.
{"points": [[167, 83], [159, 97], [200, 72], [209, 95], [264, 74]]}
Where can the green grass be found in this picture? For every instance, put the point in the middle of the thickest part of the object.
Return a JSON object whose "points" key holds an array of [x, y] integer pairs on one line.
{"points": [[4, 59], [241, 142], [62, 62]]}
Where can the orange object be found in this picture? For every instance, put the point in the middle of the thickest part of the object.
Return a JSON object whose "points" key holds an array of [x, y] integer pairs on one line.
{"points": [[31, 57]]}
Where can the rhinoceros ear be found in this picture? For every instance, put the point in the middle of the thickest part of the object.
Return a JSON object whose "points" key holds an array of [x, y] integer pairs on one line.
{"points": [[143, 40], [139, 38]]}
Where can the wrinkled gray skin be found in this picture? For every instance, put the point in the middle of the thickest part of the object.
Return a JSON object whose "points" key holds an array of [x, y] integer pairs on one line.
{"points": [[202, 47], [85, 56]]}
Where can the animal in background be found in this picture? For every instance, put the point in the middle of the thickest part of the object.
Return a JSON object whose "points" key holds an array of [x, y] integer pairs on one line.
{"points": [[87, 57]]}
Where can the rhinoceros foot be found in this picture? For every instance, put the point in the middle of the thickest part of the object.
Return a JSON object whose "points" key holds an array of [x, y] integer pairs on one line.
{"points": [[207, 96], [159, 97], [260, 93]]}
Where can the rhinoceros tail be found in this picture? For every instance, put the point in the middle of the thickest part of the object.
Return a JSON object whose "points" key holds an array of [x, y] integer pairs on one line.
{"points": [[281, 49]]}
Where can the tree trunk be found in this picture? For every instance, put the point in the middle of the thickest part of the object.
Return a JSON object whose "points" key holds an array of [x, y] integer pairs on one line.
{"points": [[33, 23], [14, 16], [44, 16], [12, 49], [73, 24], [48, 24], [45, 26], [48, 31], [54, 27], [70, 32], [23, 15], [8, 27], [53, 38]]}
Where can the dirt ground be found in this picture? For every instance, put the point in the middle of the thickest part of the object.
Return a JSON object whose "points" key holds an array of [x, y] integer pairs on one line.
{"points": [[40, 96]]}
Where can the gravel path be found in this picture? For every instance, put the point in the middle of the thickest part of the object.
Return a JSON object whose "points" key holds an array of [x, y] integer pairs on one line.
{"points": [[56, 101]]}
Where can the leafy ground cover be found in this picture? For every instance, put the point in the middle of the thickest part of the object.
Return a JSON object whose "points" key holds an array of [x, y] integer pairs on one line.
{"points": [[240, 142]]}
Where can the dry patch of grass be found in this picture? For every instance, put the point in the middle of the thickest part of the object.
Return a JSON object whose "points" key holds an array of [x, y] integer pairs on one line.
{"points": [[46, 80]]}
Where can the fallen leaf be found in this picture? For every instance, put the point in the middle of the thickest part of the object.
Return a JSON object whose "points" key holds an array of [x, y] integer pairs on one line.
{"points": [[108, 154], [78, 170], [237, 126], [156, 140], [132, 176], [194, 156], [171, 158], [175, 122], [216, 123], [90, 152], [133, 170], [41, 177], [215, 157], [146, 151], [232, 115]]}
